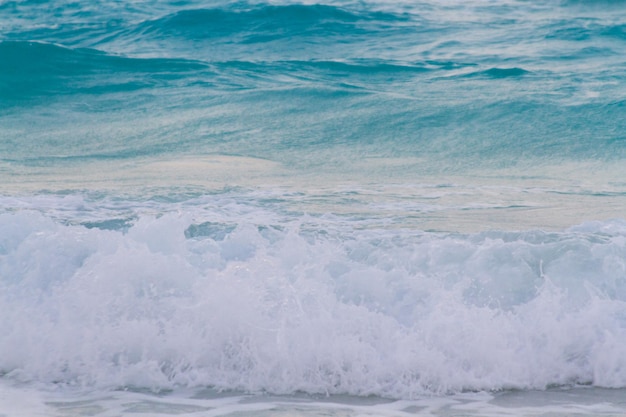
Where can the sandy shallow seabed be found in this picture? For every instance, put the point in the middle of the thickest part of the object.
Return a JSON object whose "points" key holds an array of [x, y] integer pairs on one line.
{"points": [[487, 200]]}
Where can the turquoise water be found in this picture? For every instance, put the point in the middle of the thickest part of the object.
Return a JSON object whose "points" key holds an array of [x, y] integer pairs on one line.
{"points": [[409, 201]]}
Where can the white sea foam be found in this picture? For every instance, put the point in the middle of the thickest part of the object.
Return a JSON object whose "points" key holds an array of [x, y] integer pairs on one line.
{"points": [[257, 300]]}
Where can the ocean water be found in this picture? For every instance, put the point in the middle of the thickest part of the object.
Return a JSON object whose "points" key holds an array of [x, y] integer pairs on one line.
{"points": [[308, 208]]}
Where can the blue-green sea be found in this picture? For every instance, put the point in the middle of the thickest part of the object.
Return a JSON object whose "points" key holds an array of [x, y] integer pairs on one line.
{"points": [[312, 208]]}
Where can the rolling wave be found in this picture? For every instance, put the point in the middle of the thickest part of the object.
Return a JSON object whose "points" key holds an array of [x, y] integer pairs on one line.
{"points": [[283, 307], [264, 23], [38, 70]]}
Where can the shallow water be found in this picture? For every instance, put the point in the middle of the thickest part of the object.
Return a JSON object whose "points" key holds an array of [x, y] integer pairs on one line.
{"points": [[583, 401]]}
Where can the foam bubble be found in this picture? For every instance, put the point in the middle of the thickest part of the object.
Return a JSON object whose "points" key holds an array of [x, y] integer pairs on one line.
{"points": [[309, 306]]}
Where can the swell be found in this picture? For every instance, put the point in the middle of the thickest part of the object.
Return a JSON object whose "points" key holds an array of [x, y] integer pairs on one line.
{"points": [[179, 32], [584, 29], [264, 23], [497, 73], [38, 68], [466, 108], [35, 70], [160, 29]]}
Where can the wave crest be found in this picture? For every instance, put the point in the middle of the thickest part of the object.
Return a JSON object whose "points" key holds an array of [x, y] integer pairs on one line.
{"points": [[170, 302]]}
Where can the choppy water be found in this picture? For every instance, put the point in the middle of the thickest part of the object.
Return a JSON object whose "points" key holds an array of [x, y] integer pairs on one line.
{"points": [[361, 198]]}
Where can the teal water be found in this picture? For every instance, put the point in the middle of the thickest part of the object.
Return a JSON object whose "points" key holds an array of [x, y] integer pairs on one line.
{"points": [[352, 198], [459, 86]]}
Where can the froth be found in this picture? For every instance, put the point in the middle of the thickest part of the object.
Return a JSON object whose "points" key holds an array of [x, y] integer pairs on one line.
{"points": [[325, 309]]}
